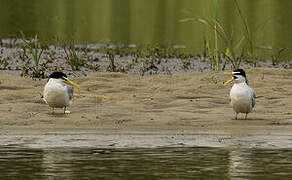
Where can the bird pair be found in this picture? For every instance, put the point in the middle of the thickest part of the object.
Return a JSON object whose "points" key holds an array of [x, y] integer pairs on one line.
{"points": [[58, 92]]}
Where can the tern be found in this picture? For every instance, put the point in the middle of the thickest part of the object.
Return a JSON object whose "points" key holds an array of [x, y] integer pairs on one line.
{"points": [[58, 92], [242, 97]]}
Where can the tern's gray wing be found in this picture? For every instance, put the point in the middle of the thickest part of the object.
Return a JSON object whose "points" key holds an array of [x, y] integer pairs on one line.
{"points": [[253, 97], [70, 91]]}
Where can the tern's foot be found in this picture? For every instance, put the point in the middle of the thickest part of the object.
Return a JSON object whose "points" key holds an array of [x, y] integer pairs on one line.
{"points": [[245, 116], [67, 112]]}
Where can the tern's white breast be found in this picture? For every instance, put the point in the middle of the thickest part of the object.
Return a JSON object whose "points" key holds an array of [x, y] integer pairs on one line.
{"points": [[241, 96], [56, 94]]}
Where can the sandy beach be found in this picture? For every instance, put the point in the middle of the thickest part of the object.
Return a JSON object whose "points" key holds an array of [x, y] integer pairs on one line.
{"points": [[126, 110]]}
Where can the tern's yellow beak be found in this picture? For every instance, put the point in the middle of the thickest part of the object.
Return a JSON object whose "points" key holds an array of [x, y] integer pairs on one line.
{"points": [[71, 83], [229, 74]]}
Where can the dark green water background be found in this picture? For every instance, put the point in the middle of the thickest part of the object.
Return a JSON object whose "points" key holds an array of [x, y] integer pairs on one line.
{"points": [[146, 21]]}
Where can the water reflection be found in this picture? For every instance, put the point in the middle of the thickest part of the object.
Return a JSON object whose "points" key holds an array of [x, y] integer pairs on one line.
{"points": [[239, 163], [143, 163], [145, 21]]}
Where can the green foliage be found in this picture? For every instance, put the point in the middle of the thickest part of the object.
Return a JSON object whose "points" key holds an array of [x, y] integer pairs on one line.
{"points": [[277, 55], [213, 79], [72, 56], [34, 49], [234, 49], [111, 56]]}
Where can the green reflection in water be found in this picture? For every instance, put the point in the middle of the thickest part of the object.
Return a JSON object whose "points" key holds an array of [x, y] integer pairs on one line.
{"points": [[145, 21]]}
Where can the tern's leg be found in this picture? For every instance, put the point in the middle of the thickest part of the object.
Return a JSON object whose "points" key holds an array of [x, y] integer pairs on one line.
{"points": [[66, 111], [53, 110], [236, 116], [245, 116]]}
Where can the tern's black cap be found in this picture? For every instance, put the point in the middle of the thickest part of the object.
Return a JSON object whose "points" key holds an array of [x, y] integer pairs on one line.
{"points": [[239, 72], [57, 75]]}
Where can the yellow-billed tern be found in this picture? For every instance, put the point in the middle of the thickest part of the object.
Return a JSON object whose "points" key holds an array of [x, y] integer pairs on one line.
{"points": [[58, 92], [242, 97]]}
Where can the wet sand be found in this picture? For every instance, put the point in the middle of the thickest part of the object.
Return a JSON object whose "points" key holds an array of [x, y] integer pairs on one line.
{"points": [[121, 110]]}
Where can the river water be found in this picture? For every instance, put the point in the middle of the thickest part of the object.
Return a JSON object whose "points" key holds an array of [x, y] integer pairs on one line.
{"points": [[150, 21], [18, 162]]}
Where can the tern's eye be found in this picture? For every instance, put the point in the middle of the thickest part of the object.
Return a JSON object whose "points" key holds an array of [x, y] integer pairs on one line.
{"points": [[235, 77]]}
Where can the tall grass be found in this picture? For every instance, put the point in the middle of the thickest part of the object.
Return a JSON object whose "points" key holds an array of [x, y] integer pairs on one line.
{"points": [[233, 49], [216, 50], [35, 50], [72, 56], [248, 33]]}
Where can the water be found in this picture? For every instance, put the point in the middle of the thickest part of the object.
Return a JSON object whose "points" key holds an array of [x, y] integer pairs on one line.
{"points": [[148, 21], [143, 163]]}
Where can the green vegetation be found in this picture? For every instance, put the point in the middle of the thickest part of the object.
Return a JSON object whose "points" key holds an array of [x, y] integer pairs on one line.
{"points": [[235, 32], [38, 59], [233, 50], [72, 56], [33, 49]]}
